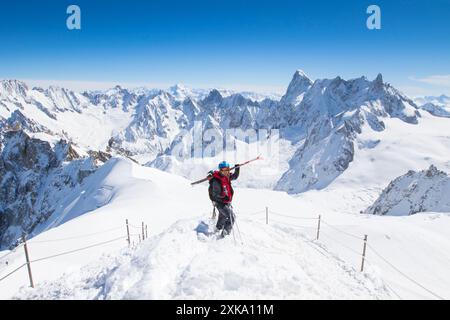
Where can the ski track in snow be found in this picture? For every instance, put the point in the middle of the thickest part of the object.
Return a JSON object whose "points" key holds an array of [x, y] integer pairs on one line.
{"points": [[273, 263]]}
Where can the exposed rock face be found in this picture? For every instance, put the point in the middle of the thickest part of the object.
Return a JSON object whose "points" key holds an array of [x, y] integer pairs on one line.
{"points": [[34, 176], [414, 192], [100, 156], [17, 121]]}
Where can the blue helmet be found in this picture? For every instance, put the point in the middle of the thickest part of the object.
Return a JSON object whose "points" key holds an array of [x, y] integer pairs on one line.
{"points": [[224, 164]]}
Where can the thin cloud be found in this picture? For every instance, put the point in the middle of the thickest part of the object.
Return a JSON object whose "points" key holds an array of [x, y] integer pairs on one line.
{"points": [[435, 80]]}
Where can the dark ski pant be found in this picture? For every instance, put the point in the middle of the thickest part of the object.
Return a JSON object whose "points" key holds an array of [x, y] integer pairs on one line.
{"points": [[226, 217]]}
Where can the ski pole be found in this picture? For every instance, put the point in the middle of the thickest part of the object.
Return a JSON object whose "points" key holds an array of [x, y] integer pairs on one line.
{"points": [[239, 231], [235, 222]]}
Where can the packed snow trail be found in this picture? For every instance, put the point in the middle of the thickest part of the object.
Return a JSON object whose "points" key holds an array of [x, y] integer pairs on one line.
{"points": [[181, 263]]}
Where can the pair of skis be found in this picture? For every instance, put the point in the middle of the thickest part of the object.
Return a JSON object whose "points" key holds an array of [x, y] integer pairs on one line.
{"points": [[209, 177]]}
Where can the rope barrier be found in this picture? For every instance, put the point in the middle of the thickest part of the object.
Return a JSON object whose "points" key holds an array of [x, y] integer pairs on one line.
{"points": [[15, 270], [355, 252], [75, 237], [76, 250], [292, 217], [344, 245], [341, 231], [251, 214], [347, 247], [11, 252], [404, 275], [293, 225]]}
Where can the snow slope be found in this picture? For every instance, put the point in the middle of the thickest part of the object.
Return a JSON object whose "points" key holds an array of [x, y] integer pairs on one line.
{"points": [[274, 264], [119, 190], [173, 263]]}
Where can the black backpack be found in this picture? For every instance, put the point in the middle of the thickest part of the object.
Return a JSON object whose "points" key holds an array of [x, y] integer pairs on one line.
{"points": [[210, 174]]}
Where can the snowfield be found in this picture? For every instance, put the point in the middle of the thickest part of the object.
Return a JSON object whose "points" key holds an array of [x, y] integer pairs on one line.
{"points": [[275, 263], [279, 260], [359, 154]]}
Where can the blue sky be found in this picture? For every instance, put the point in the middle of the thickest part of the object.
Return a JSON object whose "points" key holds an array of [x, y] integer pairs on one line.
{"points": [[244, 44]]}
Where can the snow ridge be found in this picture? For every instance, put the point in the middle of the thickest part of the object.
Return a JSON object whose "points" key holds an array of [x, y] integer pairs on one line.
{"points": [[274, 264], [423, 191]]}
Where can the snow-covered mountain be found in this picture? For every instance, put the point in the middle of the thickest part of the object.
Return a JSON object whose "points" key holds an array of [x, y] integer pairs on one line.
{"points": [[439, 100], [322, 120], [438, 106], [324, 126], [325, 115], [331, 115], [36, 181], [318, 118], [423, 191]]}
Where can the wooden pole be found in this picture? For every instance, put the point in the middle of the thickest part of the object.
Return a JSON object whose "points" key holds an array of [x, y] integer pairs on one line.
{"points": [[267, 215], [146, 232], [143, 233], [364, 253], [30, 275], [128, 233], [318, 228]]}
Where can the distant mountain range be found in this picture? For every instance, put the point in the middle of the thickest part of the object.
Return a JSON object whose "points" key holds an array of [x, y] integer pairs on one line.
{"points": [[52, 139]]}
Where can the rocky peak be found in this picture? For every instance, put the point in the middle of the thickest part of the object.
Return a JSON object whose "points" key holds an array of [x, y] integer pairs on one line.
{"points": [[416, 191], [34, 177], [18, 121], [214, 98], [65, 152], [21, 151], [99, 156], [433, 171], [299, 84], [379, 79], [13, 88], [378, 83]]}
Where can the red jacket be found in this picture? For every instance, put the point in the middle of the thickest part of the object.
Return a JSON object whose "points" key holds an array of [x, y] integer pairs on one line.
{"points": [[222, 191]]}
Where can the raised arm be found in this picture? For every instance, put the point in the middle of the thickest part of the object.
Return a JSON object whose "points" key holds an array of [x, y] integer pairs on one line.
{"points": [[236, 172]]}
